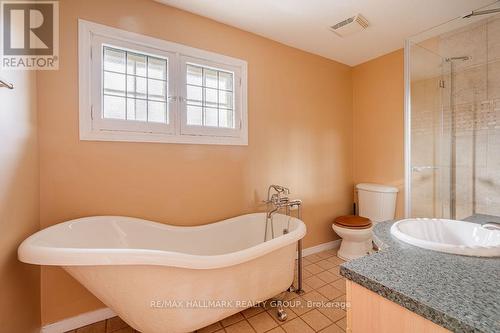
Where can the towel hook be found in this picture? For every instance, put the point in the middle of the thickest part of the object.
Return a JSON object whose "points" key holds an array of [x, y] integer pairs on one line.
{"points": [[7, 85]]}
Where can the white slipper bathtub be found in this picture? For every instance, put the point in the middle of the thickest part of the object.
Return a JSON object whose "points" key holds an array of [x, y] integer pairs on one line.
{"points": [[162, 278]]}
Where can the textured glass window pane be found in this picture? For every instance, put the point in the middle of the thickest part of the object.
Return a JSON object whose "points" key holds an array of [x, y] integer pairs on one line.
{"points": [[194, 115], [114, 107], [194, 95], [225, 99], [157, 90], [114, 60], [140, 88], [114, 84], [157, 68], [136, 86], [157, 112], [194, 75], [210, 78], [136, 64], [216, 97], [131, 86], [225, 81], [226, 118], [141, 110], [130, 109], [211, 117], [142, 81], [210, 97], [136, 109]]}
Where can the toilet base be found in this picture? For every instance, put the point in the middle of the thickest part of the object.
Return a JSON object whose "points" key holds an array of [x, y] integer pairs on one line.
{"points": [[350, 250]]}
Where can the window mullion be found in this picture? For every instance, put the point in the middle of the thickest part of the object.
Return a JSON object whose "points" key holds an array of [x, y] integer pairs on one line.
{"points": [[177, 83], [218, 102], [203, 101], [147, 89], [167, 95], [126, 85], [135, 91]]}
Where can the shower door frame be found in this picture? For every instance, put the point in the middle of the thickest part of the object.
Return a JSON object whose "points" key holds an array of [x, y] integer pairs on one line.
{"points": [[408, 163], [407, 128]]}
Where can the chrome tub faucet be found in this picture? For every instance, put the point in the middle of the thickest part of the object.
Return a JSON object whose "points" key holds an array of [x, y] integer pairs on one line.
{"points": [[275, 202]]}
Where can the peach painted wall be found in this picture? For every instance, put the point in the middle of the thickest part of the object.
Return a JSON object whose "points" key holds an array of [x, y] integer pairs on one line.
{"points": [[19, 202], [300, 135], [378, 111]]}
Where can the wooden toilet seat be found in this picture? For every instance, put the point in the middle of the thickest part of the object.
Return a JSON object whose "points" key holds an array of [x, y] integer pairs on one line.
{"points": [[353, 222]]}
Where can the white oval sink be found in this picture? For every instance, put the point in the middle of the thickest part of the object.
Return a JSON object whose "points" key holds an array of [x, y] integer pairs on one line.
{"points": [[450, 236]]}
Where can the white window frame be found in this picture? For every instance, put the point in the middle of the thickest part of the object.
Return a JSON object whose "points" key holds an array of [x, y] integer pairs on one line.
{"points": [[205, 130], [93, 36], [101, 124]]}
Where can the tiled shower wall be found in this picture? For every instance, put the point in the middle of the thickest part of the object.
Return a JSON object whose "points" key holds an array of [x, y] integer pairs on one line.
{"points": [[475, 102]]}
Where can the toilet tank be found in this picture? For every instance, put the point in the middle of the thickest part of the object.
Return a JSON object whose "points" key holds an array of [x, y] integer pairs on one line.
{"points": [[376, 202]]}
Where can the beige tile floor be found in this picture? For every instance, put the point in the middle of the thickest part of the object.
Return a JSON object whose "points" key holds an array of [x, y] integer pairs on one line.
{"points": [[320, 309]]}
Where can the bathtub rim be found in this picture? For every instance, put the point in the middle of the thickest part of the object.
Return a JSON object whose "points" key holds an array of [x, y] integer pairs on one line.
{"points": [[58, 256]]}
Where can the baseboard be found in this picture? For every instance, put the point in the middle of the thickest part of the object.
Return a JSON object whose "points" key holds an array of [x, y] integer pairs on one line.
{"points": [[321, 247], [92, 317], [81, 320]]}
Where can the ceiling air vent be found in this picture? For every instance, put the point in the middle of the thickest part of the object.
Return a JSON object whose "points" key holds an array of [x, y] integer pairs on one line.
{"points": [[350, 26]]}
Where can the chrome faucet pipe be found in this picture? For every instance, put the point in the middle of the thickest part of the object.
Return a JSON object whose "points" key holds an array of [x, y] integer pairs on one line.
{"points": [[280, 200], [299, 290], [276, 196], [294, 203], [278, 189], [272, 212], [283, 202]]}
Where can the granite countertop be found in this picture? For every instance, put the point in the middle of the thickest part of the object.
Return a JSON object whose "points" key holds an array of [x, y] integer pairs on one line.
{"points": [[457, 292]]}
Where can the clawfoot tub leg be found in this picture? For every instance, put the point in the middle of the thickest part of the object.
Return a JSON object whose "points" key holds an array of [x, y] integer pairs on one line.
{"points": [[281, 313], [280, 310]]}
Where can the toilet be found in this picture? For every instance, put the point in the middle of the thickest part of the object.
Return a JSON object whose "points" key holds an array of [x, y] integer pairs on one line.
{"points": [[376, 203]]}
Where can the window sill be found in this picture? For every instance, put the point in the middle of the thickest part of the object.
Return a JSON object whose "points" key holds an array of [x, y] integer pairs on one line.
{"points": [[122, 136]]}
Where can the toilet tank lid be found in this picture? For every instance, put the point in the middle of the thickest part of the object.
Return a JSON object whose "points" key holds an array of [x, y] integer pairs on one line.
{"points": [[376, 188]]}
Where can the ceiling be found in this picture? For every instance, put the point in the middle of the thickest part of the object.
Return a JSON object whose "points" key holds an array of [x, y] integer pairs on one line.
{"points": [[303, 24]]}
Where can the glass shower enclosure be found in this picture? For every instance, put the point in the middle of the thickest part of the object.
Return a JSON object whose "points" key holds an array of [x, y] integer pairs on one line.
{"points": [[452, 118]]}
